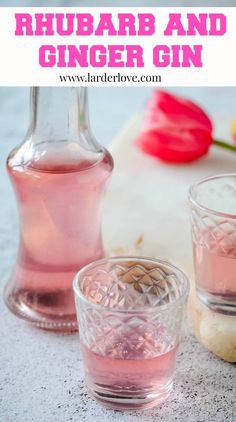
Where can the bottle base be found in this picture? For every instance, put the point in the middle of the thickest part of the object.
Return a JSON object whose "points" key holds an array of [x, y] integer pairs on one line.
{"points": [[51, 311]]}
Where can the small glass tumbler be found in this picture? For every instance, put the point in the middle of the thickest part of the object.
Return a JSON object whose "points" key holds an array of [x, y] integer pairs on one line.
{"points": [[213, 220], [129, 312]]}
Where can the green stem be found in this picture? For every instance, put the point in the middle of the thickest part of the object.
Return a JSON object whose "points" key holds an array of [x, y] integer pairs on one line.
{"points": [[224, 144]]}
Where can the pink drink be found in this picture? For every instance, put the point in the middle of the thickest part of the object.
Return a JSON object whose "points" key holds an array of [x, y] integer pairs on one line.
{"points": [[60, 216], [130, 311], [140, 368], [215, 265]]}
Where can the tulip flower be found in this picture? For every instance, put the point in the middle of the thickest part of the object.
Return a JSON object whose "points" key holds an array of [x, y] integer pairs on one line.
{"points": [[176, 129]]}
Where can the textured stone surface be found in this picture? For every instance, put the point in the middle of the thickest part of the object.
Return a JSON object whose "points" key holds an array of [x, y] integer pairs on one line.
{"points": [[41, 375]]}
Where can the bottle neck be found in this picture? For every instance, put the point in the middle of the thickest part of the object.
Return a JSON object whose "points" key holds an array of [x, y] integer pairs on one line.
{"points": [[61, 114], [59, 136]]}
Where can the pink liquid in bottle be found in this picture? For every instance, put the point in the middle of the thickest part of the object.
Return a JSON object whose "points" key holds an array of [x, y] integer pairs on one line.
{"points": [[59, 186]]}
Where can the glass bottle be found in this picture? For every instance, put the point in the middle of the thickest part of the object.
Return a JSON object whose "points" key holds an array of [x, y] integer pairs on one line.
{"points": [[59, 174]]}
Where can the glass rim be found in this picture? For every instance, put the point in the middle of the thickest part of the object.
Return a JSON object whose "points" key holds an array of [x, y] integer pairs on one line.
{"points": [[193, 188], [78, 292]]}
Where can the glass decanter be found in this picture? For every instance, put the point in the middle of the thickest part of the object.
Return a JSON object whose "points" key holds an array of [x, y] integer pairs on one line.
{"points": [[59, 174]]}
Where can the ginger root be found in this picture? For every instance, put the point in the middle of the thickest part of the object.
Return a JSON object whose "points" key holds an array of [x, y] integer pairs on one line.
{"points": [[217, 332]]}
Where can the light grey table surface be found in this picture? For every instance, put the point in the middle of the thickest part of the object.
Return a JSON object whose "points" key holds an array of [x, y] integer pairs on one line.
{"points": [[41, 376], [120, 3]]}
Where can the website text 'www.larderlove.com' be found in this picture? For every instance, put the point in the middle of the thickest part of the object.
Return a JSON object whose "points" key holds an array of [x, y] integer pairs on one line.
{"points": [[108, 78]]}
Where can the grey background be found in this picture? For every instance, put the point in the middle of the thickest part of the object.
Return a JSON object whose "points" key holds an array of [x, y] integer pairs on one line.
{"points": [[120, 3]]}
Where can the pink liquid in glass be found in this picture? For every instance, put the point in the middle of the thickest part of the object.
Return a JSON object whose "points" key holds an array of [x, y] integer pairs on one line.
{"points": [[60, 231], [141, 369], [215, 265]]}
